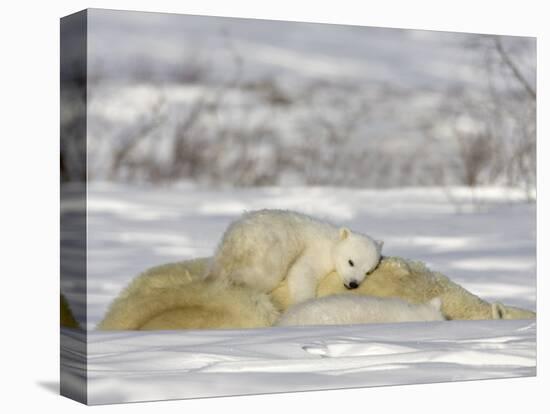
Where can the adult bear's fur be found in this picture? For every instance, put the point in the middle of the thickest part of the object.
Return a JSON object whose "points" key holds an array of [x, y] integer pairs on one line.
{"points": [[173, 296], [413, 281]]}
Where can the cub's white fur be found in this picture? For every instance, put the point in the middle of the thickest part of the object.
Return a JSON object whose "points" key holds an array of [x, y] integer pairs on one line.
{"points": [[351, 309], [263, 247]]}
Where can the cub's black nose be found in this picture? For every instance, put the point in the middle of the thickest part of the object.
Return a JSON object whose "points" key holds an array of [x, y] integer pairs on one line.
{"points": [[352, 285]]}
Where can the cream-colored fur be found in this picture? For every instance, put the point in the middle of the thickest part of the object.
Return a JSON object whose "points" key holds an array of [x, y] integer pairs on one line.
{"points": [[174, 296], [264, 247], [499, 311], [354, 309], [414, 282]]}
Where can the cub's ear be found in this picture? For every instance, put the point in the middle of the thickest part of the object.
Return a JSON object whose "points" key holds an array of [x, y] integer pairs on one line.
{"points": [[344, 233], [435, 303], [380, 244]]}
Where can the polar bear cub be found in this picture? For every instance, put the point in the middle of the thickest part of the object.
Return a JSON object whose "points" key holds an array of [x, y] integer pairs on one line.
{"points": [[352, 309], [264, 247]]}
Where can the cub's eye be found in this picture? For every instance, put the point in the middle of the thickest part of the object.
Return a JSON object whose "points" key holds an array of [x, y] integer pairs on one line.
{"points": [[351, 263]]}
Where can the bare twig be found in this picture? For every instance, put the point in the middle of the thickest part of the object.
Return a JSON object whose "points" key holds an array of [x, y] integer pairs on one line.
{"points": [[507, 60]]}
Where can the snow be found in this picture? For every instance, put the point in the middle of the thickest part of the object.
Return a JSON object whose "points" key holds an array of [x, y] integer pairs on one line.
{"points": [[484, 240], [142, 366]]}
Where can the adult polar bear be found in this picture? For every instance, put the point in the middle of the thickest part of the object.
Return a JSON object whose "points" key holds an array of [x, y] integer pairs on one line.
{"points": [[264, 247], [175, 296]]}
